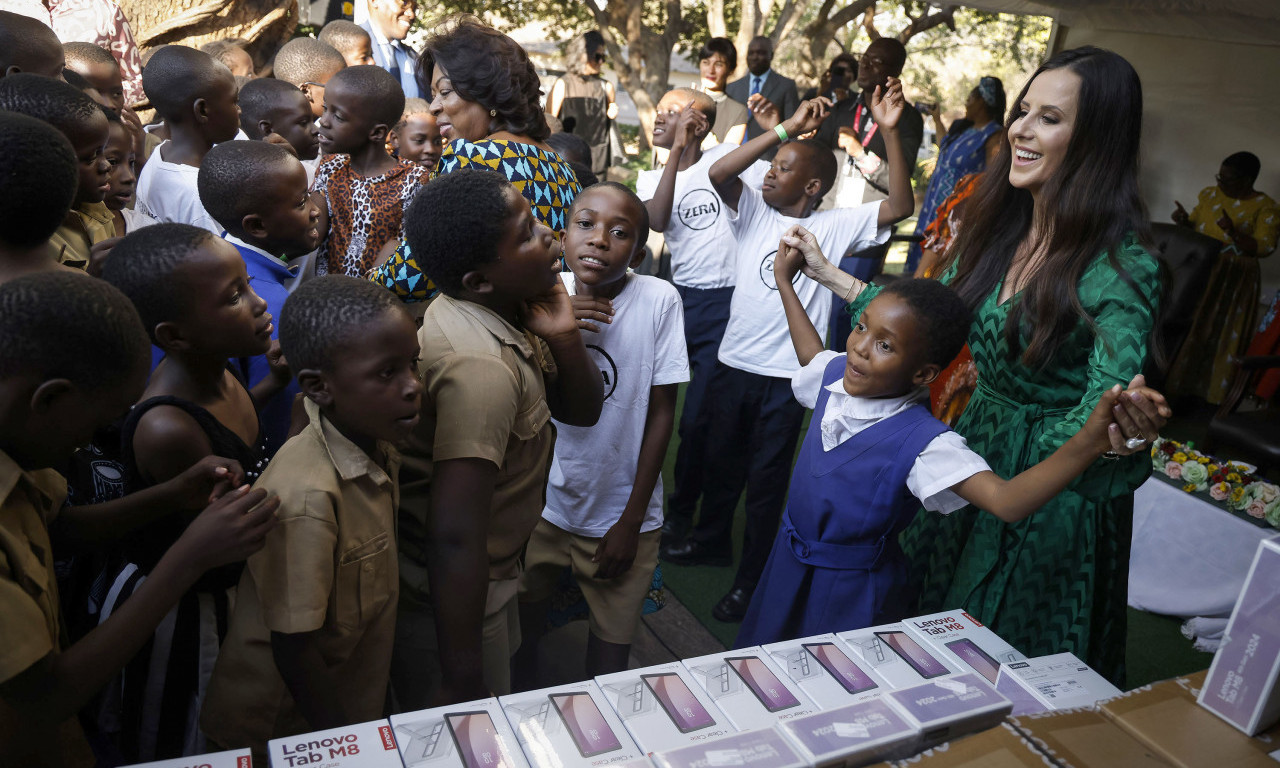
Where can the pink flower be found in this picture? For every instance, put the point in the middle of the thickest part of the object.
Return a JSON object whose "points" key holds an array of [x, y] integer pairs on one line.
{"points": [[1219, 491], [1256, 508], [1173, 469]]}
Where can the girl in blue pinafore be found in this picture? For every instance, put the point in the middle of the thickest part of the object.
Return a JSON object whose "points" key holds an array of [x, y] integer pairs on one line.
{"points": [[874, 453]]}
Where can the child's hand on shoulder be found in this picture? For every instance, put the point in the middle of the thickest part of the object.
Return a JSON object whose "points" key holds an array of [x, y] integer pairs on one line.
{"points": [[208, 480], [888, 104], [550, 315], [230, 529], [590, 310]]}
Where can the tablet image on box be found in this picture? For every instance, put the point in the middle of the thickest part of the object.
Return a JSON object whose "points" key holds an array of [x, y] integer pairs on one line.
{"points": [[678, 701], [968, 651], [761, 681], [841, 668], [471, 735], [476, 737], [585, 723], [910, 651]]}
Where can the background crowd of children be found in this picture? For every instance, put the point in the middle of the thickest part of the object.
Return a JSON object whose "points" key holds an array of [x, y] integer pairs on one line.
{"points": [[186, 312]]}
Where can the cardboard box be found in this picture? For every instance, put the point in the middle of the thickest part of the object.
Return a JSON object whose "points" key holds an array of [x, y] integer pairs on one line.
{"points": [[663, 707], [964, 641], [748, 688], [950, 707], [1058, 681], [365, 745], [1083, 738], [236, 758], [570, 726], [826, 670], [853, 735], [1000, 747], [754, 749], [1165, 718], [470, 735], [897, 656], [1242, 684]]}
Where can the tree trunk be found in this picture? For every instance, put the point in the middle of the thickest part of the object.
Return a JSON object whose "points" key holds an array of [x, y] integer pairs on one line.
{"points": [[266, 24], [645, 70]]}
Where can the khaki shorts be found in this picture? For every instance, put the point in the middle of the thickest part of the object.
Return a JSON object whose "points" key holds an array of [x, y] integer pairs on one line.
{"points": [[616, 603]]}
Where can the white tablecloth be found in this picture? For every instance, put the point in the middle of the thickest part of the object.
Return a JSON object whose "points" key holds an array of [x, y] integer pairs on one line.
{"points": [[1189, 558]]}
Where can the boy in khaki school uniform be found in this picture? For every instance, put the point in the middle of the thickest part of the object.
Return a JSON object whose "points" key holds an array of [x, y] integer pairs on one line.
{"points": [[502, 354], [309, 646]]}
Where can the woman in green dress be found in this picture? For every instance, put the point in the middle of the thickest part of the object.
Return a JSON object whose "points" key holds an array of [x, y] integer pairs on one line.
{"points": [[1064, 299]]}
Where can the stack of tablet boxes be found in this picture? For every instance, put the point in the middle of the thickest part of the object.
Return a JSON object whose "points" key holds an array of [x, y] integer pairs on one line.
{"points": [[879, 693]]}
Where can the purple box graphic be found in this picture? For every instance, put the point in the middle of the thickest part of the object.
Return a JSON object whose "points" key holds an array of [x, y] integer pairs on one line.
{"points": [[870, 730], [1241, 687], [752, 749], [951, 706]]}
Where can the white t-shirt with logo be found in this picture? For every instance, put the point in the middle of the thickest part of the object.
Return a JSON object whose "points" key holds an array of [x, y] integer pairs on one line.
{"points": [[757, 339], [594, 468], [702, 247]]}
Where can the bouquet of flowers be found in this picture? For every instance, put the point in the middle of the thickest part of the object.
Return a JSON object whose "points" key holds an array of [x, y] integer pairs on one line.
{"points": [[1231, 482]]}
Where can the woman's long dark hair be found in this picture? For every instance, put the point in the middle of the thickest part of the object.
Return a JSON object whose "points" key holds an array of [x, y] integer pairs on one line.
{"points": [[487, 67], [1089, 206]]}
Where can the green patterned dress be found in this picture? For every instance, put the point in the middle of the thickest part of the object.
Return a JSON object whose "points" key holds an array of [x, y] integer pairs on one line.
{"points": [[1058, 580]]}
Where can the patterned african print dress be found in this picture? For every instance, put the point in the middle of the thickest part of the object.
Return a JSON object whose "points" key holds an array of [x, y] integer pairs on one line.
{"points": [[543, 177], [1058, 580]]}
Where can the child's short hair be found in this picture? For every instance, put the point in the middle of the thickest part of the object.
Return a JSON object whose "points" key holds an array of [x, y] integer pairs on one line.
{"points": [[701, 102], [80, 54], [144, 265], [59, 325], [258, 99], [455, 223], [413, 106], [233, 180], [326, 313], [642, 217], [821, 161], [1246, 164], [23, 39], [38, 179], [380, 91], [573, 149], [176, 76], [59, 104], [304, 59], [220, 50], [943, 316], [343, 35]]}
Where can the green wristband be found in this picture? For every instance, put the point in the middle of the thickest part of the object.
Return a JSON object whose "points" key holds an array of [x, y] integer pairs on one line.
{"points": [[782, 132]]}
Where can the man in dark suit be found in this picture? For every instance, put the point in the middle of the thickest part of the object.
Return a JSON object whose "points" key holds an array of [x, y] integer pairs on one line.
{"points": [[388, 25], [779, 90]]}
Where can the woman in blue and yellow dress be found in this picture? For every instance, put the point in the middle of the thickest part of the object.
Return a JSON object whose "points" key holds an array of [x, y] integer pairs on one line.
{"points": [[489, 109]]}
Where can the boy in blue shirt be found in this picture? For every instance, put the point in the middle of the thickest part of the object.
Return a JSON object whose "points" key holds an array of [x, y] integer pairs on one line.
{"points": [[258, 193]]}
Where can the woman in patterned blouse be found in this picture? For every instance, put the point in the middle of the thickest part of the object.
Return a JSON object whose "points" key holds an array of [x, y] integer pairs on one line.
{"points": [[487, 103]]}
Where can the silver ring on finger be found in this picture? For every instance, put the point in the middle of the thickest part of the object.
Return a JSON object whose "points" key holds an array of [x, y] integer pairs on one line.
{"points": [[1134, 443]]}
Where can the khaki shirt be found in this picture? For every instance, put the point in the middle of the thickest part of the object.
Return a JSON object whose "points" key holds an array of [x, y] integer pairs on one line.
{"points": [[73, 242], [485, 397], [328, 567], [30, 623]]}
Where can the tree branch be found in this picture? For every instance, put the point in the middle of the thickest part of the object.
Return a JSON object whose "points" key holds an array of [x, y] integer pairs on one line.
{"points": [[945, 16]]}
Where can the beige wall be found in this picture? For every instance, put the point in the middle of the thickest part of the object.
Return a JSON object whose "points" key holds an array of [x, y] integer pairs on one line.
{"points": [[1204, 100]]}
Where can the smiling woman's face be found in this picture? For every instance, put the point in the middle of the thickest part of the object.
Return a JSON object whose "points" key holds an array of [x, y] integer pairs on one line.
{"points": [[456, 117]]}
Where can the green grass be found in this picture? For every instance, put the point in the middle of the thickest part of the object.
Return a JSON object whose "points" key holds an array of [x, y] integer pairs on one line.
{"points": [[1156, 648]]}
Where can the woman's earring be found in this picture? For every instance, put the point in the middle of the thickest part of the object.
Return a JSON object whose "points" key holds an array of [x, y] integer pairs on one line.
{"points": [[493, 113]]}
